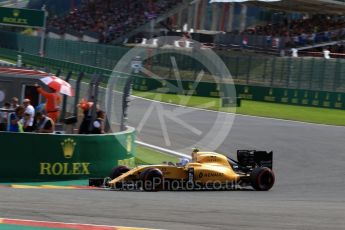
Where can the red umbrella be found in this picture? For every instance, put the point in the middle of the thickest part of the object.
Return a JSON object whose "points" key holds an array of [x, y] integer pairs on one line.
{"points": [[58, 84]]}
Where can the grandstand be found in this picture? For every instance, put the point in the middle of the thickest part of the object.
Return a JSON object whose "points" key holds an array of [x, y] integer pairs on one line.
{"points": [[116, 22], [109, 20]]}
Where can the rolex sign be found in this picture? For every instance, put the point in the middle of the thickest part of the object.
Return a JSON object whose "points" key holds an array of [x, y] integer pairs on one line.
{"points": [[21, 17]]}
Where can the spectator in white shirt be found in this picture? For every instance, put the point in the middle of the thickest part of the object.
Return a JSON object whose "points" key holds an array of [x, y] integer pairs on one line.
{"points": [[29, 109]]}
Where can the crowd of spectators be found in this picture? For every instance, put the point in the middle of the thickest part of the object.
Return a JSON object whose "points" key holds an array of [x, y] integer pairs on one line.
{"points": [[301, 32], [109, 19], [24, 118], [15, 117]]}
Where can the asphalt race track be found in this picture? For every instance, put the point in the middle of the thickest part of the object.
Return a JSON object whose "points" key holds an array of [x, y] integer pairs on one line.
{"points": [[309, 192]]}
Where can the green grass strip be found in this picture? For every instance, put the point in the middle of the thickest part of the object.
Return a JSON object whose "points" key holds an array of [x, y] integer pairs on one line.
{"points": [[148, 156], [255, 108]]}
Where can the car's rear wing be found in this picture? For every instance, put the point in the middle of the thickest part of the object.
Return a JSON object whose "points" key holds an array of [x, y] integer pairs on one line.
{"points": [[253, 158]]}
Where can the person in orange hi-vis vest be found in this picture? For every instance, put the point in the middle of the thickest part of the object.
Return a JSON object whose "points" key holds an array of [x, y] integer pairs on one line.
{"points": [[53, 102]]}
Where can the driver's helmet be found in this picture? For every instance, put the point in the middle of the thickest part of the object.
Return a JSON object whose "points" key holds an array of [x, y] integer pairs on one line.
{"points": [[184, 161]]}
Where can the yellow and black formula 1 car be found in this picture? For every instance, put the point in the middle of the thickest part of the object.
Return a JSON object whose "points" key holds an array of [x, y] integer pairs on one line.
{"points": [[209, 170]]}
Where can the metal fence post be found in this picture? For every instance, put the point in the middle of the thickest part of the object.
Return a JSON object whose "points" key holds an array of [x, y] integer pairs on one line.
{"points": [[265, 70], [64, 102], [77, 93], [58, 72], [109, 100], [95, 80], [337, 74], [300, 73], [322, 75], [290, 66], [282, 71], [311, 73], [273, 70], [125, 102], [249, 60], [42, 54]]}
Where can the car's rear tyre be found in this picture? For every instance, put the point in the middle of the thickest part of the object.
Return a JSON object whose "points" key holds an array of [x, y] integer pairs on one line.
{"points": [[118, 171], [262, 179], [151, 179]]}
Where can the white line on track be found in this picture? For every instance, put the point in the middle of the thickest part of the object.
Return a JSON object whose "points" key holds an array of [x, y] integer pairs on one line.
{"points": [[164, 150], [68, 225]]}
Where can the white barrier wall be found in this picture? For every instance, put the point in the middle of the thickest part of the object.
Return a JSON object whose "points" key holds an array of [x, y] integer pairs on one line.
{"points": [[54, 35], [89, 39], [71, 37]]}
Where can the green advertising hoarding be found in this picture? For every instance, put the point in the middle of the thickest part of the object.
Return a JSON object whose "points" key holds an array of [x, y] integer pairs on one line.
{"points": [[22, 17], [47, 157], [302, 97]]}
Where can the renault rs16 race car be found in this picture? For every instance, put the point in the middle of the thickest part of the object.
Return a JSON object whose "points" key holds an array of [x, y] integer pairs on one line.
{"points": [[208, 170]]}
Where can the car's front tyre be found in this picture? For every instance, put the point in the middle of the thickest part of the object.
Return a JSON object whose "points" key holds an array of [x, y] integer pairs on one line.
{"points": [[118, 171], [151, 179]]}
